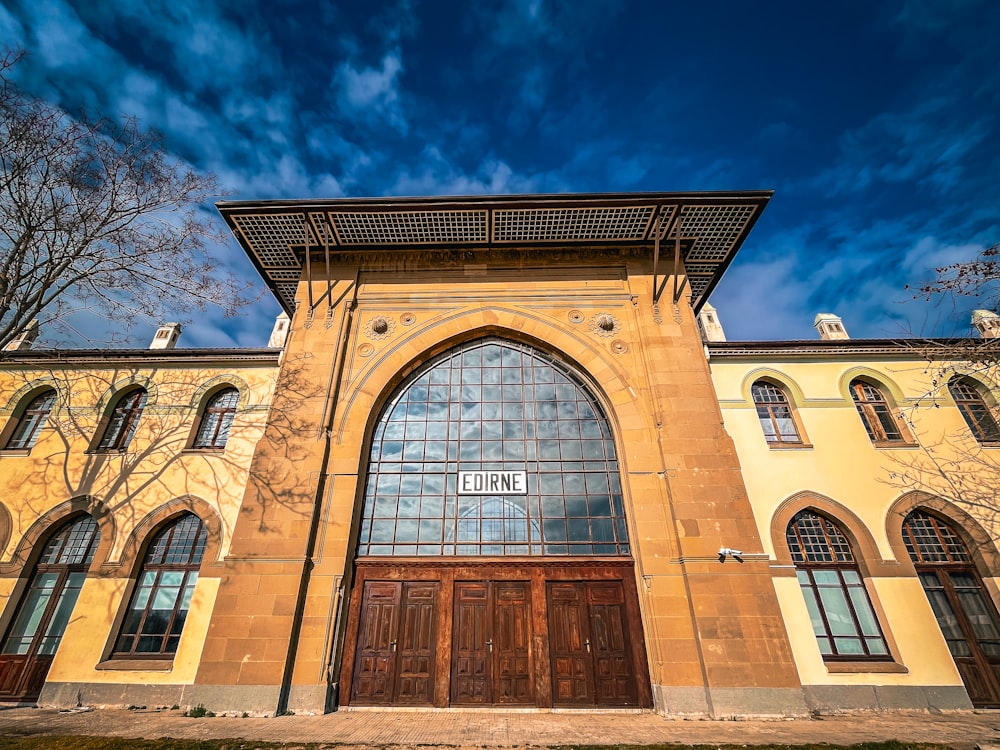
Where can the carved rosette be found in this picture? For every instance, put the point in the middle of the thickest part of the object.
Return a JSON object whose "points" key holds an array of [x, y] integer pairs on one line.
{"points": [[605, 325], [379, 328]]}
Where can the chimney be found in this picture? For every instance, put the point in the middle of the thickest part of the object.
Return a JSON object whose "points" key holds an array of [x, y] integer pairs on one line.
{"points": [[25, 339], [709, 325], [987, 323], [830, 326], [279, 334], [166, 336]]}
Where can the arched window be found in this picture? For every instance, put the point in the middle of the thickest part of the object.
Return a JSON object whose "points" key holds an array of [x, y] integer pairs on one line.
{"points": [[217, 419], [964, 611], [974, 409], [123, 421], [493, 448], [46, 608], [774, 413], [841, 612], [162, 596], [876, 416], [32, 421]]}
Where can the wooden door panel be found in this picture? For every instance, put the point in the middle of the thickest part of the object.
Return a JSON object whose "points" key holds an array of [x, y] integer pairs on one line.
{"points": [[513, 680], [569, 643], [375, 667], [472, 678], [416, 651], [11, 670], [614, 682]]}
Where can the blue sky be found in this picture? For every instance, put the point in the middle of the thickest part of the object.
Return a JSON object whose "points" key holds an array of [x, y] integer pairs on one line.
{"points": [[876, 124]]}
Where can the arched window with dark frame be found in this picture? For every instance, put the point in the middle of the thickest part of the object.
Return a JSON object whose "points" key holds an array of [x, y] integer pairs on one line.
{"points": [[962, 607], [774, 413], [123, 421], [974, 409], [46, 607], [841, 612], [876, 414], [32, 420], [217, 419], [159, 605]]}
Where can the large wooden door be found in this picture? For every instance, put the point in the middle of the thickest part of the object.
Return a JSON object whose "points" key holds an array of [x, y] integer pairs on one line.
{"points": [[970, 627], [588, 636], [492, 644], [396, 643]]}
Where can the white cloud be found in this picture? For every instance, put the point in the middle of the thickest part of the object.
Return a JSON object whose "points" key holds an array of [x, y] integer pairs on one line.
{"points": [[373, 92]]}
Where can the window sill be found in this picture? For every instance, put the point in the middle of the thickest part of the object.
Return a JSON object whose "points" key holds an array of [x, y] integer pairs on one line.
{"points": [[859, 667], [204, 451], [897, 445], [136, 665], [789, 446], [15, 451], [988, 444]]}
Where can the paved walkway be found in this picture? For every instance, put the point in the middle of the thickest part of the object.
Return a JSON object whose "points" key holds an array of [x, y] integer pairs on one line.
{"points": [[479, 729]]}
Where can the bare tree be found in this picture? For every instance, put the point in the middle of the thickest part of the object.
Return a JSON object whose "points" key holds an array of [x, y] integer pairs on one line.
{"points": [[97, 216]]}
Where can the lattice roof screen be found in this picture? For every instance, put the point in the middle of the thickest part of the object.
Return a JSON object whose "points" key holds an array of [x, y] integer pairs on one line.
{"points": [[712, 228]]}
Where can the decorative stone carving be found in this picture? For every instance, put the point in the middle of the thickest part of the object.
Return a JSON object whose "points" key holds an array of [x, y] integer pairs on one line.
{"points": [[379, 328], [605, 324], [575, 316], [407, 319]]}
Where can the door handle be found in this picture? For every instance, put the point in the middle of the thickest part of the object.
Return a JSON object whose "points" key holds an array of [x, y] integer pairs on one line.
{"points": [[587, 644], [489, 646], [392, 646]]}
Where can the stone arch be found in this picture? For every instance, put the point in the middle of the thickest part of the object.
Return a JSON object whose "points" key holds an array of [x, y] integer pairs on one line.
{"points": [[6, 527], [31, 545], [153, 521], [213, 385], [796, 397], [369, 395], [866, 553], [20, 398], [118, 389], [879, 379], [980, 544]]}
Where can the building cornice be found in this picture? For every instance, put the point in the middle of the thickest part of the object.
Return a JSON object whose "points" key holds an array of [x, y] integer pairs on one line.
{"points": [[906, 348], [284, 237], [33, 358]]}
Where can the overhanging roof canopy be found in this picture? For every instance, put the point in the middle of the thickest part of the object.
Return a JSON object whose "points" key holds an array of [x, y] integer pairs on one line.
{"points": [[712, 228]]}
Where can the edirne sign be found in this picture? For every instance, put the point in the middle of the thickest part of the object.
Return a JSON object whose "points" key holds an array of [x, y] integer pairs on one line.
{"points": [[492, 483]]}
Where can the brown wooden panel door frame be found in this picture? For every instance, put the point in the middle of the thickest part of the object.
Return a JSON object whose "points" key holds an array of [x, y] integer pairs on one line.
{"points": [[539, 571], [978, 667]]}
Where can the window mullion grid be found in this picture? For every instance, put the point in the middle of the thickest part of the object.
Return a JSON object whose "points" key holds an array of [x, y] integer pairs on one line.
{"points": [[854, 613]]}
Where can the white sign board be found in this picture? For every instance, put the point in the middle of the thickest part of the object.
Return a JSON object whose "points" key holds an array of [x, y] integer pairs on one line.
{"points": [[492, 483]]}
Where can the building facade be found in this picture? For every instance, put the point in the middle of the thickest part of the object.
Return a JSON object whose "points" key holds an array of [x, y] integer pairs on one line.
{"points": [[491, 466]]}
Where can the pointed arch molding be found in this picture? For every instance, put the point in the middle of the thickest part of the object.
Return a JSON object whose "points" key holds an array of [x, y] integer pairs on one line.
{"points": [[6, 526], [30, 545], [978, 541], [876, 378], [227, 380], [863, 545], [795, 394], [135, 545], [534, 330], [117, 389], [28, 391]]}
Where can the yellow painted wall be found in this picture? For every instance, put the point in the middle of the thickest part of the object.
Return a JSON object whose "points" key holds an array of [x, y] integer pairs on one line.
{"points": [[125, 488], [841, 464]]}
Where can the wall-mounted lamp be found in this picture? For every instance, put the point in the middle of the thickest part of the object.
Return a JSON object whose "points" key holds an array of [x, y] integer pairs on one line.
{"points": [[725, 552]]}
